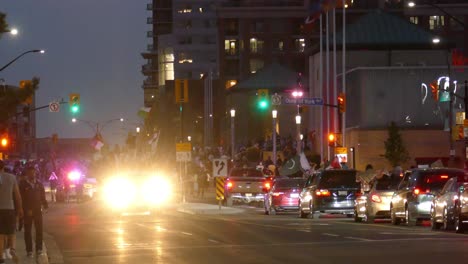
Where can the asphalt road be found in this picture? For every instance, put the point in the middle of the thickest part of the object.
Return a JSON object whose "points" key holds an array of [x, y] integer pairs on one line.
{"points": [[86, 233]]}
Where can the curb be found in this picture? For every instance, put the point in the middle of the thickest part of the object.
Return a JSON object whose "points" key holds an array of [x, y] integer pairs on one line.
{"points": [[54, 254]]}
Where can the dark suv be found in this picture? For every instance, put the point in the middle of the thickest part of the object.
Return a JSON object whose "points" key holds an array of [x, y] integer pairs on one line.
{"points": [[329, 191], [412, 200]]}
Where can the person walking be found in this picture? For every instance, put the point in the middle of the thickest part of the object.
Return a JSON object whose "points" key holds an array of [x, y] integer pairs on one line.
{"points": [[53, 181], [34, 201], [9, 197]]}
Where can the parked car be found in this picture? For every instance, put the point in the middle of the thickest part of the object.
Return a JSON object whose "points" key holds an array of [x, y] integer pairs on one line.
{"points": [[445, 207], [412, 201], [461, 212], [329, 191], [375, 203], [283, 195]]}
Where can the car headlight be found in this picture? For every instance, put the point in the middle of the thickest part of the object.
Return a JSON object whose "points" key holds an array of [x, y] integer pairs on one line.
{"points": [[119, 192], [156, 190]]}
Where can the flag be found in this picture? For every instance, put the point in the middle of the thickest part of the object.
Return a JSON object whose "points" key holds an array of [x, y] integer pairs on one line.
{"points": [[97, 143], [290, 166], [315, 10], [143, 112]]}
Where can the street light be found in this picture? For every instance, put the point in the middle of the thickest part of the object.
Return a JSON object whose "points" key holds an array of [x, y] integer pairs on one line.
{"points": [[436, 40], [233, 114], [274, 114], [13, 31], [138, 129], [21, 55], [189, 138], [298, 134]]}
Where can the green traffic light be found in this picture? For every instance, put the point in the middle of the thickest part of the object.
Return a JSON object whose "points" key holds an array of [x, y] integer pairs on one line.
{"points": [[75, 109], [263, 104]]}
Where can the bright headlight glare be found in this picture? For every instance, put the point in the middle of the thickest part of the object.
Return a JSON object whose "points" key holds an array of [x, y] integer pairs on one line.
{"points": [[156, 190], [119, 192]]}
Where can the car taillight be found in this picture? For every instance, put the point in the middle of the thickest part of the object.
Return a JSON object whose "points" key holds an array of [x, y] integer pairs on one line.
{"points": [[277, 193], [322, 193], [229, 184], [376, 199], [267, 185], [418, 191]]}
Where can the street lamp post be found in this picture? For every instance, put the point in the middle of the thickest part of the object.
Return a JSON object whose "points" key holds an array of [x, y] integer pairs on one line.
{"points": [[274, 114], [19, 56], [233, 144], [298, 134]]}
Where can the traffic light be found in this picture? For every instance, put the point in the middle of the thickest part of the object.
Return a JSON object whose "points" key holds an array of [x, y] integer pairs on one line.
{"points": [[435, 91], [262, 99], [331, 140], [342, 103], [74, 103]]}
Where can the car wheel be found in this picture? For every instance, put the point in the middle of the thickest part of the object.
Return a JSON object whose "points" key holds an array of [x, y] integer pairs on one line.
{"points": [[357, 219], [459, 226], [434, 224], [302, 214], [395, 220], [447, 223], [369, 219], [408, 220]]}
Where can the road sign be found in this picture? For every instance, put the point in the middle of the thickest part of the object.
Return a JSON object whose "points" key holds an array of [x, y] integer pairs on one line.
{"points": [[342, 154], [276, 99], [183, 147], [303, 101], [220, 188], [54, 107], [183, 156], [220, 167]]}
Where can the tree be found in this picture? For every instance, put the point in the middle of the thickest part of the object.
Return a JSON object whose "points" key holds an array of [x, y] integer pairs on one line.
{"points": [[11, 98], [395, 151], [3, 24]]}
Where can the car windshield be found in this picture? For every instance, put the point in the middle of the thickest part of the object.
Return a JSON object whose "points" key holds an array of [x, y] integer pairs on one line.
{"points": [[387, 183], [338, 179], [289, 183], [246, 172], [435, 180]]}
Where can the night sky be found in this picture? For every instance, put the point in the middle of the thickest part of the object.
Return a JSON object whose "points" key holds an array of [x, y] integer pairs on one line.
{"points": [[92, 48]]}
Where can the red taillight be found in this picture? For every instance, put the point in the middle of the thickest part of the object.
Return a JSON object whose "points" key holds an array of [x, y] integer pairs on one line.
{"points": [[416, 191], [322, 193], [229, 184], [444, 176], [267, 185], [376, 199], [277, 193]]}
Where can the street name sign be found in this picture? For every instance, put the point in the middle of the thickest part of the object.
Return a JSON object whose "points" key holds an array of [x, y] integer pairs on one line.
{"points": [[303, 101]]}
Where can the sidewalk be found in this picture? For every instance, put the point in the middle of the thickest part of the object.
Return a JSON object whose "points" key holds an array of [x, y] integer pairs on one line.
{"points": [[21, 252], [207, 209]]}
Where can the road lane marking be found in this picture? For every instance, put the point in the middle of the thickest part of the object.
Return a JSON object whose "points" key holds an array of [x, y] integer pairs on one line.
{"points": [[188, 234], [213, 241], [304, 230], [332, 235], [359, 239]]}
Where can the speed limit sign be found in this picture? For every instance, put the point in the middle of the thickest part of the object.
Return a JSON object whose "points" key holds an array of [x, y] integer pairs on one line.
{"points": [[54, 107]]}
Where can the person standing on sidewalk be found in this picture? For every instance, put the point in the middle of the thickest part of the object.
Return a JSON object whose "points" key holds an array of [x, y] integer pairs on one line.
{"points": [[9, 197], [34, 200]]}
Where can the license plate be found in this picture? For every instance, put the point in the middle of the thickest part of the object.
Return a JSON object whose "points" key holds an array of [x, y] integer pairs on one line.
{"points": [[294, 195], [342, 192], [248, 195]]}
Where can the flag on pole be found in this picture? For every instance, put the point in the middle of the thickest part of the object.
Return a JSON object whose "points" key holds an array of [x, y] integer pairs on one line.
{"points": [[144, 112], [315, 10]]}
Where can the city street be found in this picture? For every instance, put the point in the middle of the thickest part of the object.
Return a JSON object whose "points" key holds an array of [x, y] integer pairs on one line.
{"points": [[85, 233]]}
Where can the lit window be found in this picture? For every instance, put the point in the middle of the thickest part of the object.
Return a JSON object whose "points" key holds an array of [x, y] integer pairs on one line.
{"points": [[299, 44], [436, 22], [280, 45], [414, 20], [256, 46], [200, 9], [230, 46]]}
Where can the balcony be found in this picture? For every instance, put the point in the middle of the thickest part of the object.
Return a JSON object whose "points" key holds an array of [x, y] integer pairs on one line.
{"points": [[149, 83], [149, 20], [148, 69], [149, 34], [149, 7]]}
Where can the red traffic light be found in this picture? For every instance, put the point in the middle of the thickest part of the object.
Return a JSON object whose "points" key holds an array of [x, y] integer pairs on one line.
{"points": [[331, 139], [4, 142]]}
